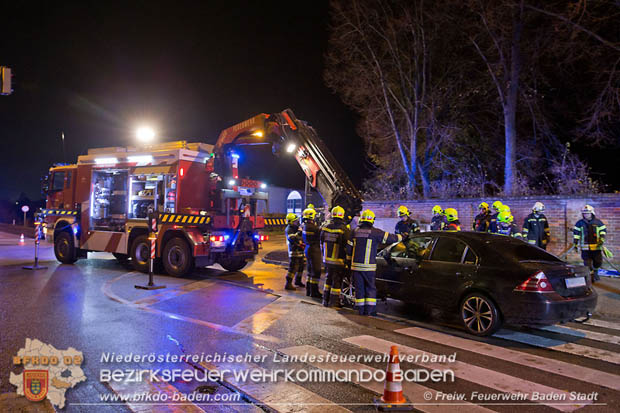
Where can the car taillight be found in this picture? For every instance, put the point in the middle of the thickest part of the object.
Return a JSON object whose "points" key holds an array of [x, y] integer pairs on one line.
{"points": [[216, 238], [537, 283]]}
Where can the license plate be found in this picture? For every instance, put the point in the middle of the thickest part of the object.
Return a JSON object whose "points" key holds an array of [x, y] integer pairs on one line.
{"points": [[575, 282]]}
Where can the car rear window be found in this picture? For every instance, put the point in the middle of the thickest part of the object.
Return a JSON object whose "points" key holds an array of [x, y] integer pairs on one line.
{"points": [[521, 251]]}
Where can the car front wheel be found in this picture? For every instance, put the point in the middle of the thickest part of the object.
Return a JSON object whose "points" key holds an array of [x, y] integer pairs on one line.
{"points": [[479, 315]]}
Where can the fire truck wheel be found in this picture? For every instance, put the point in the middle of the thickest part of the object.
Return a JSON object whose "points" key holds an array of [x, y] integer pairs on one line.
{"points": [[140, 253], [64, 248], [177, 257], [233, 264]]}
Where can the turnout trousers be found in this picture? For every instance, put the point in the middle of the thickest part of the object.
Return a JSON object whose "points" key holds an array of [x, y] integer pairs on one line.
{"points": [[332, 287], [365, 292], [295, 267], [593, 260]]}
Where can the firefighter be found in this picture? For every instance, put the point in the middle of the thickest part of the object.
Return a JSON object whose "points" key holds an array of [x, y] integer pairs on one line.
{"points": [[312, 240], [453, 220], [294, 241], [496, 207], [483, 219], [406, 225], [334, 237], [506, 225], [439, 221], [536, 227], [362, 248], [589, 235]]}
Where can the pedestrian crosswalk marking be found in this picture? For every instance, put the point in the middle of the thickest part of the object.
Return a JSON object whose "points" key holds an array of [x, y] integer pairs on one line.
{"points": [[601, 323], [470, 372], [559, 345], [282, 396], [413, 391], [266, 316], [572, 371], [590, 335]]}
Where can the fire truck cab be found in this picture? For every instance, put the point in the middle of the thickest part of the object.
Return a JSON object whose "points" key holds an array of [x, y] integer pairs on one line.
{"points": [[104, 202]]}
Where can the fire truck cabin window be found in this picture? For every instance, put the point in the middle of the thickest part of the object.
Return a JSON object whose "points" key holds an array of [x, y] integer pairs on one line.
{"points": [[58, 181]]}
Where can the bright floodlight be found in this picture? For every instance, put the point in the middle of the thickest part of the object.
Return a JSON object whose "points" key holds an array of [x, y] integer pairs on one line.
{"points": [[291, 147], [232, 182], [263, 186], [145, 134]]}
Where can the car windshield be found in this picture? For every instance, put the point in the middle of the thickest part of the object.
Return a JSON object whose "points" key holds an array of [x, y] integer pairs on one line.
{"points": [[521, 251], [415, 247]]}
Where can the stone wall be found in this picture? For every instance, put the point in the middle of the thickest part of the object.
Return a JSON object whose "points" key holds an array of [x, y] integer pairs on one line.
{"points": [[561, 211]]}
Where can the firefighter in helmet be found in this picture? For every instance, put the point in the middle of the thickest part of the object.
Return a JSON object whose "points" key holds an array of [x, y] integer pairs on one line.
{"points": [[483, 219], [495, 210], [406, 225], [536, 227], [362, 248], [312, 240], [438, 221], [334, 237], [295, 243], [453, 220], [506, 225], [589, 235]]}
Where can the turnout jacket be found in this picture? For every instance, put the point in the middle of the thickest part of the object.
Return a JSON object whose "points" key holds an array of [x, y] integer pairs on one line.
{"points": [[510, 230], [408, 226], [536, 229], [334, 237], [294, 241], [438, 222], [589, 235], [482, 222], [363, 245], [453, 226], [493, 223], [311, 235]]}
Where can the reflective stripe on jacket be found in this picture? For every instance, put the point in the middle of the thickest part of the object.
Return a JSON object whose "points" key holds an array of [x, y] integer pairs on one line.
{"points": [[363, 246], [536, 229], [311, 235], [294, 241], [334, 237], [590, 235]]}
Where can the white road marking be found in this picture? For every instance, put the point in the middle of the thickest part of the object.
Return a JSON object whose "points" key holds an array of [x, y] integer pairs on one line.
{"points": [[590, 335], [471, 373], [573, 371], [413, 391], [559, 345], [602, 323], [266, 316]]}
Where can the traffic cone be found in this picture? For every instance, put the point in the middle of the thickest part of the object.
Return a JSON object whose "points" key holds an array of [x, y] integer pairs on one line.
{"points": [[21, 240], [393, 399]]}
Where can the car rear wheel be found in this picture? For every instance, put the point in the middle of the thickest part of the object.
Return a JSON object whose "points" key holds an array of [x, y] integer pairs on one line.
{"points": [[233, 264], [64, 248], [177, 257], [140, 253], [479, 315]]}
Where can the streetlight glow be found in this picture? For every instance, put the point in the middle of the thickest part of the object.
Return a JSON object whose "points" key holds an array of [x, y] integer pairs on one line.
{"points": [[145, 134], [291, 148]]}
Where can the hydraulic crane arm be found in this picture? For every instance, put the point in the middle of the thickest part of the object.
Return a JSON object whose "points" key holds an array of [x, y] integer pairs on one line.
{"points": [[284, 130]]}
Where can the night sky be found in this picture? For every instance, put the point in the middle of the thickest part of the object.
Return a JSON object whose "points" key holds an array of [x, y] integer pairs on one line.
{"points": [[95, 70]]}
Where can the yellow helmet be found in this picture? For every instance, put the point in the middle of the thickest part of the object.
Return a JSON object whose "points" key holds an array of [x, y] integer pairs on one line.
{"points": [[309, 213], [484, 206], [402, 210], [310, 206], [338, 212], [504, 208], [437, 210], [497, 205], [538, 207], [290, 217], [505, 216], [451, 214], [367, 216]]}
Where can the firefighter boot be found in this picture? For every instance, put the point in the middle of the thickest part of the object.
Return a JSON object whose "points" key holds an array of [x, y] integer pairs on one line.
{"points": [[289, 284], [326, 295], [314, 291], [298, 281]]}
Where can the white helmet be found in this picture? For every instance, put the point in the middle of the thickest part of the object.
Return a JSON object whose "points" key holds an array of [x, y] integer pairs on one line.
{"points": [[587, 209], [538, 207]]}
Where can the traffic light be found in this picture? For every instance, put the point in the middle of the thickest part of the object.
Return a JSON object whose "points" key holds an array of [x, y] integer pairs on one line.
{"points": [[5, 76]]}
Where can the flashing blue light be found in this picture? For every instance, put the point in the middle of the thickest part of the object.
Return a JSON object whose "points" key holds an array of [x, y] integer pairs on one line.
{"points": [[226, 237], [257, 237], [235, 155], [75, 230]]}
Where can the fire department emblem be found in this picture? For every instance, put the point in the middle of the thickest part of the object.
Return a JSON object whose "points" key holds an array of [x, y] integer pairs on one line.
{"points": [[35, 384]]}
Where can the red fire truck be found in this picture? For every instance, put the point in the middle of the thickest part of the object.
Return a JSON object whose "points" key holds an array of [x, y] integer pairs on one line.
{"points": [[102, 204]]}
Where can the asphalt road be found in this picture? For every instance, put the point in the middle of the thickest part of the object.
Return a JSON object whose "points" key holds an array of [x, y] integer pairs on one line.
{"points": [[93, 307]]}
